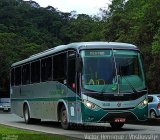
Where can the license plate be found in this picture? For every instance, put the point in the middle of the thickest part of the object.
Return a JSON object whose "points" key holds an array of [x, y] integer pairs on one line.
{"points": [[119, 119]]}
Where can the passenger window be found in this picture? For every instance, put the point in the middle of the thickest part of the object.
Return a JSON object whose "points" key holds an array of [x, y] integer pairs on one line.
{"points": [[26, 74], [59, 67], [17, 76], [46, 69], [35, 72]]}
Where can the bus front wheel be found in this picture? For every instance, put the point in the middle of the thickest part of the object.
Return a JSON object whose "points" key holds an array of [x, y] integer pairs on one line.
{"points": [[116, 125], [64, 118]]}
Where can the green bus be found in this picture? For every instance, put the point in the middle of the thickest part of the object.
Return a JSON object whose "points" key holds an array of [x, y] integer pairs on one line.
{"points": [[81, 83]]}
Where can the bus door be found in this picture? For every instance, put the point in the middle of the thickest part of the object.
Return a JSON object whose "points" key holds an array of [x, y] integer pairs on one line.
{"points": [[73, 97]]}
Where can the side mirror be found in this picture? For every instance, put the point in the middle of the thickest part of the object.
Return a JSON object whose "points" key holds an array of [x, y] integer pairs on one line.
{"points": [[79, 64]]}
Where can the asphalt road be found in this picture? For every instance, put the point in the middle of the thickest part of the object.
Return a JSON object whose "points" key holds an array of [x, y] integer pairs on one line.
{"points": [[149, 130]]}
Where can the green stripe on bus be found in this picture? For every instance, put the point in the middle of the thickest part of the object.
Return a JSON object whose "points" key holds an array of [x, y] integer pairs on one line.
{"points": [[45, 99]]}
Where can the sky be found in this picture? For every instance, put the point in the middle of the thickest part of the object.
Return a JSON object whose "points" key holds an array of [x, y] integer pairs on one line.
{"points": [[90, 7]]}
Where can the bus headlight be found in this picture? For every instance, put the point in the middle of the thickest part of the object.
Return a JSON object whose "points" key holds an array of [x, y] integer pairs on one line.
{"points": [[143, 103], [90, 105]]}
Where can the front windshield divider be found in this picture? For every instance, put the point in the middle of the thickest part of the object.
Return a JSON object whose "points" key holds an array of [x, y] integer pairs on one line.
{"points": [[117, 76]]}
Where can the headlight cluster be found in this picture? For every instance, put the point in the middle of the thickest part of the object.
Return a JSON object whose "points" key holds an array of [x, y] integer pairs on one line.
{"points": [[143, 103], [90, 105]]}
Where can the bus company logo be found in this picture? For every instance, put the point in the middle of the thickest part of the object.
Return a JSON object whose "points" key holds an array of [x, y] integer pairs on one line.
{"points": [[119, 104]]}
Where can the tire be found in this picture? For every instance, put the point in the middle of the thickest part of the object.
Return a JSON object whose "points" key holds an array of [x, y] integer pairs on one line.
{"points": [[116, 125], [64, 118], [153, 114], [26, 115]]}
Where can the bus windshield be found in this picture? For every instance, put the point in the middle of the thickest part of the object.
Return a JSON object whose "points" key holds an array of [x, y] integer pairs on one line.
{"points": [[112, 71]]}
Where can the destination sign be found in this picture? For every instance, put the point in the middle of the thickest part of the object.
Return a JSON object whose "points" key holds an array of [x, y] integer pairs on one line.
{"points": [[97, 52]]}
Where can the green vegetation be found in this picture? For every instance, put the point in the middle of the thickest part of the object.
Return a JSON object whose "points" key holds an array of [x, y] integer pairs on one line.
{"points": [[9, 130], [18, 134], [26, 29]]}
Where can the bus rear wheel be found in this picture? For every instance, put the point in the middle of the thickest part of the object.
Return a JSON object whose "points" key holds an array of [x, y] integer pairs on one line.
{"points": [[116, 125], [64, 118], [26, 115]]}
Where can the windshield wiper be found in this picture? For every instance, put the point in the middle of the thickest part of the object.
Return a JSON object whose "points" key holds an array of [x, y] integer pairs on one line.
{"points": [[132, 87]]}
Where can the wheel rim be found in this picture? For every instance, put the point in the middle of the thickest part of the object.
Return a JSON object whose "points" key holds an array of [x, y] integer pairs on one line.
{"points": [[153, 115], [26, 115], [64, 117]]}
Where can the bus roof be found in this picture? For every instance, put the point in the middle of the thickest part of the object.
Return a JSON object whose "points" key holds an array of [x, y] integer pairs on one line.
{"points": [[78, 46]]}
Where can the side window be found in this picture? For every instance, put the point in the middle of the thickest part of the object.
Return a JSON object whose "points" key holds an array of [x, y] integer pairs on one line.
{"points": [[46, 69], [35, 72], [26, 74], [59, 67], [12, 77], [150, 99], [71, 79], [17, 76]]}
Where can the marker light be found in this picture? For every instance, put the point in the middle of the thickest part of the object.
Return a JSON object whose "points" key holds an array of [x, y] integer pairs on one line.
{"points": [[73, 85]]}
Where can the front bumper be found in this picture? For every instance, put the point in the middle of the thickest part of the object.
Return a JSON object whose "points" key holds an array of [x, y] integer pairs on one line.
{"points": [[102, 116]]}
